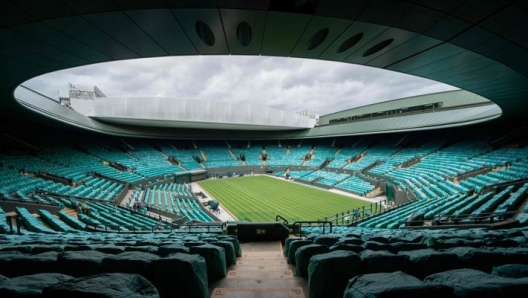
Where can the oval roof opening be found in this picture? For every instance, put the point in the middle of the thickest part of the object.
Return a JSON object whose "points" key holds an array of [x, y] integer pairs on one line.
{"points": [[378, 47], [244, 34], [347, 44], [205, 33], [317, 39]]}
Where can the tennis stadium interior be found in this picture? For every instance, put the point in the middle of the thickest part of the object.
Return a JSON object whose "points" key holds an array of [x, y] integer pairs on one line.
{"points": [[103, 196]]}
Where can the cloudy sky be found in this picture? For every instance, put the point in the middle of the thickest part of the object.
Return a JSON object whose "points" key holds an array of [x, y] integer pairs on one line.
{"points": [[285, 83]]}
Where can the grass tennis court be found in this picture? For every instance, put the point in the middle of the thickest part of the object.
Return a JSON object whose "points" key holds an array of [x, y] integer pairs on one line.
{"points": [[261, 198]]}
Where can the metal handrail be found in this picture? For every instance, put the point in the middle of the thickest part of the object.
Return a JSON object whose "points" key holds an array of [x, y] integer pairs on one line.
{"points": [[301, 223], [442, 218], [130, 228], [207, 225], [284, 220], [211, 228], [357, 214], [18, 221], [19, 200]]}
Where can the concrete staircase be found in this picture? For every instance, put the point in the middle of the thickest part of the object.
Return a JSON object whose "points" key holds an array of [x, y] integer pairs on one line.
{"points": [[70, 211], [373, 193], [261, 272], [204, 157]]}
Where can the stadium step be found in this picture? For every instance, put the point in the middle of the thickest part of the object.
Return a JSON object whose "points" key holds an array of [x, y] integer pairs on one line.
{"points": [[70, 211], [373, 193], [262, 271], [358, 160], [260, 274], [169, 204], [204, 156]]}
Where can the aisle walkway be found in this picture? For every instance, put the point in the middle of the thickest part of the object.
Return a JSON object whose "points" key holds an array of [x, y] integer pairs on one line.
{"points": [[261, 272], [223, 215]]}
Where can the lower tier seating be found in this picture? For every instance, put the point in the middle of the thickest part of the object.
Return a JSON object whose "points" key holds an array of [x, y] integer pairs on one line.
{"points": [[149, 265], [358, 262], [171, 201]]}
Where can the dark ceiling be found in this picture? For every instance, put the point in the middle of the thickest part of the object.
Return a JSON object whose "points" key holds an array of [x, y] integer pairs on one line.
{"points": [[479, 46]]}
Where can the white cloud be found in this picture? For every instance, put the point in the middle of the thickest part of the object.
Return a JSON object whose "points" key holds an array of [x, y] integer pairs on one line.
{"points": [[286, 83]]}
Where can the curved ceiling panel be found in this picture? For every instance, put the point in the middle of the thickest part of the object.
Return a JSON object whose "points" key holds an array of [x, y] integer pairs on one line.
{"points": [[479, 46]]}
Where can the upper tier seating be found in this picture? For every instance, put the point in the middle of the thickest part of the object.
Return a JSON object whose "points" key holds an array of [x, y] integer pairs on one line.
{"points": [[378, 153], [344, 154], [182, 151], [218, 155], [144, 159], [252, 154], [278, 156], [321, 152]]}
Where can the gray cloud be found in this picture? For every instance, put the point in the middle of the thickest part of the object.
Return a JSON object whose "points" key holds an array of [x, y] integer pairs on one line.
{"points": [[285, 83]]}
